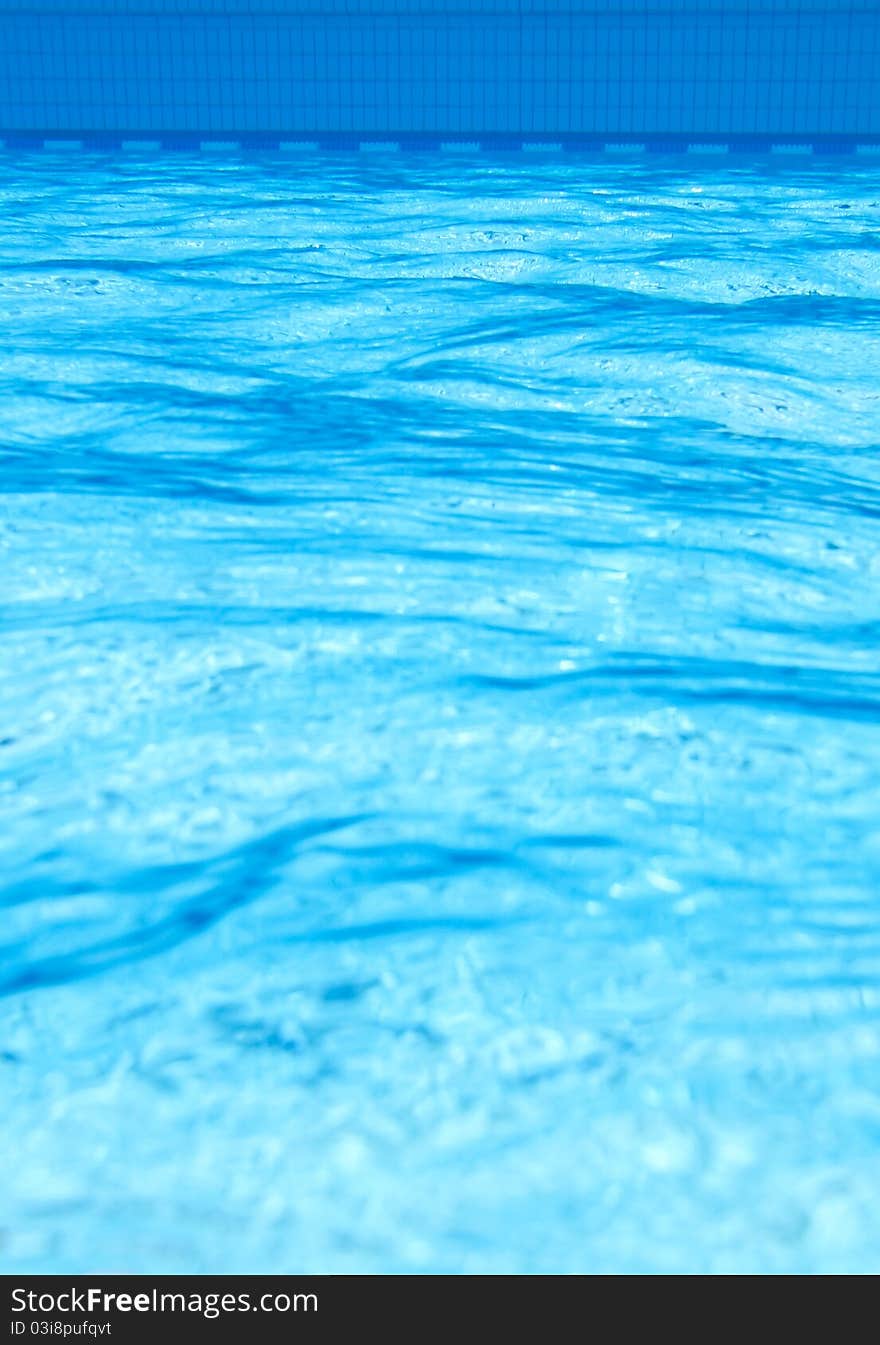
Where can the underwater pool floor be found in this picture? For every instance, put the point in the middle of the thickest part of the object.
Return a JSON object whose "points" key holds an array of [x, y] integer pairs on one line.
{"points": [[440, 740]]}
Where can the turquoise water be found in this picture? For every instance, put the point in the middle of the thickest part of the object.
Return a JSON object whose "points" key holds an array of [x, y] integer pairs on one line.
{"points": [[440, 741]]}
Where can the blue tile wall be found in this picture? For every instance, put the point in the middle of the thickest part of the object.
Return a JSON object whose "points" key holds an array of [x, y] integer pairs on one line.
{"points": [[662, 70]]}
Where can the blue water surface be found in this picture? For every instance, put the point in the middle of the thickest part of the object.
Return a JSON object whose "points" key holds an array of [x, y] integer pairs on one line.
{"points": [[440, 736]]}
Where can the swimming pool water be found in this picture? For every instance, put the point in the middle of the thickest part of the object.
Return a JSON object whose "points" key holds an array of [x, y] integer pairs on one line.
{"points": [[440, 742]]}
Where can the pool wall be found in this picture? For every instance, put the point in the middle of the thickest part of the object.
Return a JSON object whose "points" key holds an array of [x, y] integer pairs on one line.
{"points": [[668, 72]]}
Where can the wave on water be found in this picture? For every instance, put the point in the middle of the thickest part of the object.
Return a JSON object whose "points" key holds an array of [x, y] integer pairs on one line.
{"points": [[440, 742]]}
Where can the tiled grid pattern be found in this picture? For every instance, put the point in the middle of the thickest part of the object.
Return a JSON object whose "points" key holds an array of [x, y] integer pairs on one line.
{"points": [[585, 72]]}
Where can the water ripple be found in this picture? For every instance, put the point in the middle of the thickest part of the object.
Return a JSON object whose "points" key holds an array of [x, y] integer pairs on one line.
{"points": [[440, 744]]}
